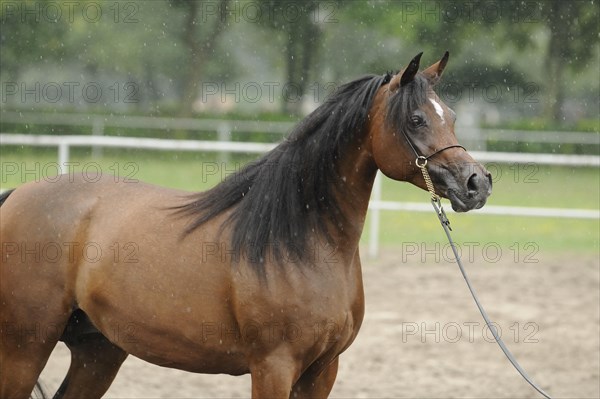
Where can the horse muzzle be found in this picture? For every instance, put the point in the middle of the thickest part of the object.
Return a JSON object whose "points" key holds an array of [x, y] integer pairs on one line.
{"points": [[472, 192]]}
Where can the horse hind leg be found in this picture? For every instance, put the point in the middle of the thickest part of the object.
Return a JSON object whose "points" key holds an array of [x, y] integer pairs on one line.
{"points": [[23, 355], [95, 361], [27, 339], [32, 315]]}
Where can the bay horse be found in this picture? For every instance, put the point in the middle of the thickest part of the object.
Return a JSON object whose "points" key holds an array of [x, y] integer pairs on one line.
{"points": [[261, 274]]}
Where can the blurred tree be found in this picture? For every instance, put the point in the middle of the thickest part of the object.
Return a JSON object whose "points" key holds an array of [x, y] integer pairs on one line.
{"points": [[127, 49], [299, 22], [367, 37], [165, 49], [571, 28], [29, 37], [199, 33]]}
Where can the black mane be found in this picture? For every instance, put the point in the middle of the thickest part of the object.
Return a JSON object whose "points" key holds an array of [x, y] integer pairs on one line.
{"points": [[404, 102], [277, 201]]}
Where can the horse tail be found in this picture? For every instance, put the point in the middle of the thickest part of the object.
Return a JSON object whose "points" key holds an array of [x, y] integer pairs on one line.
{"points": [[4, 195]]}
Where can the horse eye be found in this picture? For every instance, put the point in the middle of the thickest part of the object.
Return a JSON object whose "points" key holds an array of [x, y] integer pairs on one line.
{"points": [[417, 121]]}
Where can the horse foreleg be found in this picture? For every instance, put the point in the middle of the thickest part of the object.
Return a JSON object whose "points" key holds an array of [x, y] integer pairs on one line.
{"points": [[273, 376], [95, 362], [316, 382]]}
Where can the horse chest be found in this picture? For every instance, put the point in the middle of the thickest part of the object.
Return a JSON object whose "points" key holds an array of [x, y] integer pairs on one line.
{"points": [[316, 314], [340, 319]]}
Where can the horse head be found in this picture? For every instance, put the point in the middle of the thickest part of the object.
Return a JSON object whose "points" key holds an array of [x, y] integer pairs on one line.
{"points": [[414, 127]]}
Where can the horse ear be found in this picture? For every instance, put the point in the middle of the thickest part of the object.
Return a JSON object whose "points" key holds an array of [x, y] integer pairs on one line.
{"points": [[408, 75], [434, 72]]}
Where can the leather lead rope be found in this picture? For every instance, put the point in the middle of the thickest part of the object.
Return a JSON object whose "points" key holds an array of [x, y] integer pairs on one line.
{"points": [[421, 162]]}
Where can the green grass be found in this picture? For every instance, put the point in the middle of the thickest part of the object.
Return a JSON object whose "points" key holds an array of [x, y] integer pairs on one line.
{"points": [[514, 185], [546, 234]]}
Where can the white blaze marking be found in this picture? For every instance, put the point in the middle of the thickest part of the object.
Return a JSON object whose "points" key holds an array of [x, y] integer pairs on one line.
{"points": [[438, 109]]}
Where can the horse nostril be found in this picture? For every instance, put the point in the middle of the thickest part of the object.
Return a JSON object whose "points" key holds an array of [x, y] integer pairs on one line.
{"points": [[489, 176], [473, 185]]}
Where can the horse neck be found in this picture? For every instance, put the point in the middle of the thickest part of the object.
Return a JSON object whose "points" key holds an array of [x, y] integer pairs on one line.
{"points": [[357, 170]]}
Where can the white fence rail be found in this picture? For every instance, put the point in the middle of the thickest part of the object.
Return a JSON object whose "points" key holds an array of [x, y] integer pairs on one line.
{"points": [[64, 143], [531, 136]]}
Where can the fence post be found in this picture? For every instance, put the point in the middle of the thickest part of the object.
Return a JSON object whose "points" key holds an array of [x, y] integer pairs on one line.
{"points": [[375, 215], [63, 155], [468, 127], [224, 134], [97, 130]]}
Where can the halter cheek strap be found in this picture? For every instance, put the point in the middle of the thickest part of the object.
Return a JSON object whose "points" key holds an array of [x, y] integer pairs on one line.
{"points": [[424, 158]]}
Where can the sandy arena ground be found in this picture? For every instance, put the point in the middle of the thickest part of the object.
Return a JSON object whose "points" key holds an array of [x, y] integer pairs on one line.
{"points": [[422, 336]]}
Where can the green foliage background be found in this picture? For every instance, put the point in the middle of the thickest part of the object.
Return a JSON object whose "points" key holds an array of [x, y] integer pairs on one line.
{"points": [[166, 47]]}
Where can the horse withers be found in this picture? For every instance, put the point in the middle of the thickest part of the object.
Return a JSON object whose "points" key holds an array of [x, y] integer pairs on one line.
{"points": [[261, 274]]}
